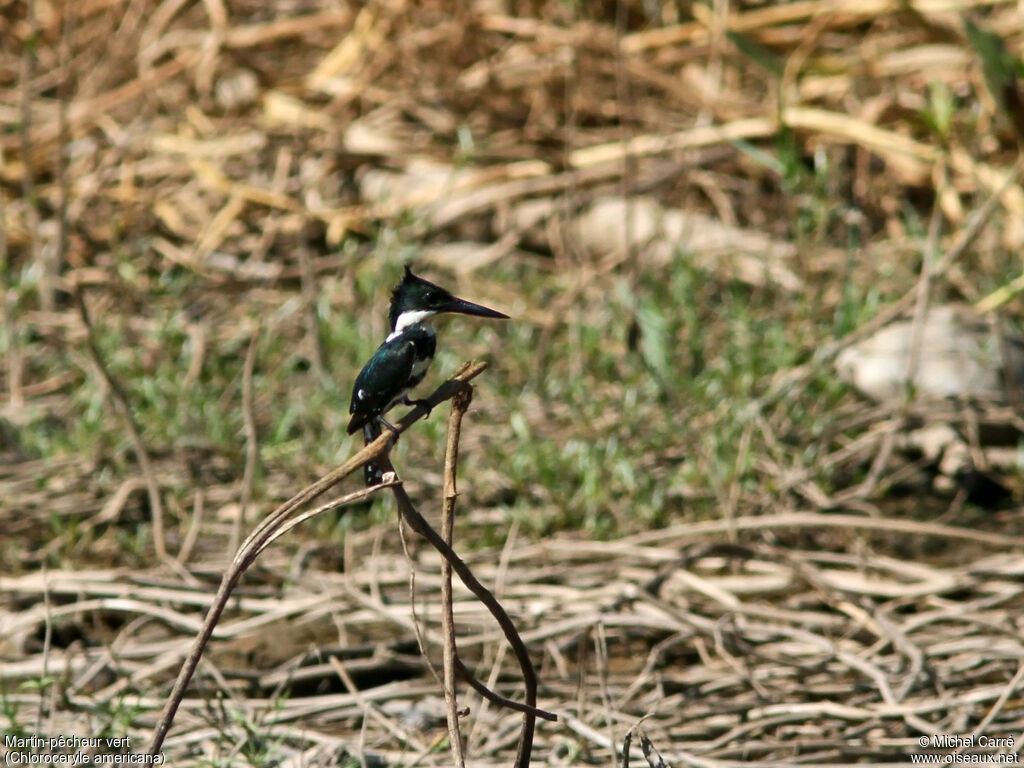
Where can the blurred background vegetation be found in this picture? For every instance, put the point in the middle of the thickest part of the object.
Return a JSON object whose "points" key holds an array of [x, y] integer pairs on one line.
{"points": [[686, 208]]}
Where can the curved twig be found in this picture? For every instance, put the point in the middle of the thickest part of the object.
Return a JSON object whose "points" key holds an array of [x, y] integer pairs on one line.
{"points": [[419, 524]]}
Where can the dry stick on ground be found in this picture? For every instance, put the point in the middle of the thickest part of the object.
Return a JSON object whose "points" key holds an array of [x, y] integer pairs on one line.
{"points": [[121, 401], [460, 403], [283, 519], [252, 448]]}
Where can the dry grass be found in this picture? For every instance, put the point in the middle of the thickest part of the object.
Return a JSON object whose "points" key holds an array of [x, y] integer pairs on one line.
{"points": [[224, 186], [736, 654]]}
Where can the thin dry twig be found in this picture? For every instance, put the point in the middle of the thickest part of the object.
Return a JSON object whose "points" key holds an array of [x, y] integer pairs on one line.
{"points": [[123, 407], [252, 445], [460, 403]]}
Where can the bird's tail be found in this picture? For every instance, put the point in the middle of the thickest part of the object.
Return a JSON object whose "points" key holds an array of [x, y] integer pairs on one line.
{"points": [[371, 472]]}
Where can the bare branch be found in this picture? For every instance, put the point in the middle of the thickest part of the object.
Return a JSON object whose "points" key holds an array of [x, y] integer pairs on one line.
{"points": [[460, 403], [419, 524], [282, 520]]}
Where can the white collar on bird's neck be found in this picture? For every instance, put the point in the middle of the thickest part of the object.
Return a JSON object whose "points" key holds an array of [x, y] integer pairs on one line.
{"points": [[410, 317]]}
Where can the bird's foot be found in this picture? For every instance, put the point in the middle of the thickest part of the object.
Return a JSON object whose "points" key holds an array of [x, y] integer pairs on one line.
{"points": [[423, 403], [394, 430]]}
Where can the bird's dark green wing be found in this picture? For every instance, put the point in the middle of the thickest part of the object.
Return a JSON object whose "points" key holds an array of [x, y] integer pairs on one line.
{"points": [[382, 380]]}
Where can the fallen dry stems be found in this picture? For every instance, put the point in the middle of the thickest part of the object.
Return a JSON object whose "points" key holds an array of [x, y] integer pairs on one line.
{"points": [[734, 649]]}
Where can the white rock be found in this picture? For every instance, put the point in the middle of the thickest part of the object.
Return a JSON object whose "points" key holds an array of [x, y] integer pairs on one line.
{"points": [[960, 355]]}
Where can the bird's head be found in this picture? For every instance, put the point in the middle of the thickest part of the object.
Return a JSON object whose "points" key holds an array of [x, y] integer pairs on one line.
{"points": [[415, 300]]}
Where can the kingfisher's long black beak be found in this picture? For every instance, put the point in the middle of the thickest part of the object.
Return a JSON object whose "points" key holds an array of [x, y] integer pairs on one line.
{"points": [[463, 307]]}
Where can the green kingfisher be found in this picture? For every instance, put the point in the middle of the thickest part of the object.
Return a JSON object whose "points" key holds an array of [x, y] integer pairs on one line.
{"points": [[401, 362]]}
